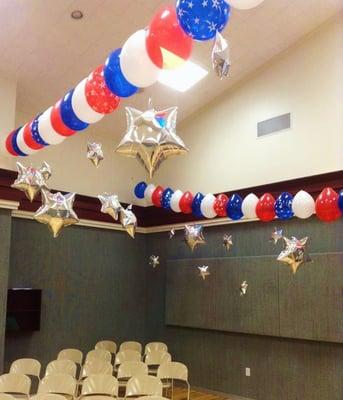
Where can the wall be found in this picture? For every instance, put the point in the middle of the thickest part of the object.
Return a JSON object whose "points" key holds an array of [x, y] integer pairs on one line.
{"points": [[281, 368], [92, 282], [307, 81]]}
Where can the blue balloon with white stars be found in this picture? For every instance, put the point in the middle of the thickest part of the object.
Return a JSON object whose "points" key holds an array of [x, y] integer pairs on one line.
{"points": [[68, 115], [35, 132], [202, 19], [140, 189], [196, 205], [340, 200], [166, 197], [234, 207], [283, 206]]}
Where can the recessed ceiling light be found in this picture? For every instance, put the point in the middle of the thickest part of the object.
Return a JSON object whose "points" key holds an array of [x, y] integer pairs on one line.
{"points": [[77, 14], [183, 78]]}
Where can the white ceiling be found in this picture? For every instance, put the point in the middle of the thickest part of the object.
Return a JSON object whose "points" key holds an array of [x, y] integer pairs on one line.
{"points": [[49, 53]]}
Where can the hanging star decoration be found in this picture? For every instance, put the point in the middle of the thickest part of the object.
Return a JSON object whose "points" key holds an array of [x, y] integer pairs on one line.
{"points": [[95, 153], [204, 272], [110, 205], [227, 242], [243, 288], [294, 253], [32, 180], [221, 56], [171, 233], [56, 211], [154, 261], [276, 235], [151, 137], [193, 236], [128, 220]]}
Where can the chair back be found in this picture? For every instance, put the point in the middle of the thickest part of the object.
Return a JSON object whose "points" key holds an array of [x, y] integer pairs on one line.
{"points": [[127, 355], [15, 383], [71, 354], [128, 369], [131, 346], [144, 385], [100, 385], [26, 366], [47, 396], [58, 384], [99, 354], [157, 358], [155, 346], [173, 370], [96, 367], [108, 345], [64, 367]]}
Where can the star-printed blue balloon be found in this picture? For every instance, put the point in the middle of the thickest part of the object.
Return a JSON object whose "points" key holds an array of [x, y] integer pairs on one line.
{"points": [[35, 132], [202, 19], [340, 200], [234, 207], [196, 205], [165, 199], [283, 206], [140, 189], [68, 115]]}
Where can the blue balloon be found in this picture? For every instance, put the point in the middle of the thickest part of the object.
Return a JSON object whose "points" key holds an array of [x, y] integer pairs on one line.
{"points": [[68, 115], [15, 146], [114, 77], [166, 197], [140, 189], [340, 200], [196, 205], [35, 132], [283, 206], [234, 207], [202, 19]]}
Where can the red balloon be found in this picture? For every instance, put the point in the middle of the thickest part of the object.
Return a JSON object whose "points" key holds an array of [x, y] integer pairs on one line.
{"points": [[167, 44], [28, 139], [327, 208], [98, 96], [185, 203], [265, 208], [220, 205], [157, 196], [57, 122], [8, 144]]}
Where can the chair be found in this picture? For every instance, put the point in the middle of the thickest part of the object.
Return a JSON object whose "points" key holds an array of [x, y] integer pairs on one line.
{"points": [[96, 367], [46, 396], [108, 345], [127, 355], [26, 366], [156, 358], [143, 385], [131, 346], [97, 385], [174, 371], [15, 384], [99, 354], [71, 354], [62, 384], [128, 369], [155, 346], [64, 367]]}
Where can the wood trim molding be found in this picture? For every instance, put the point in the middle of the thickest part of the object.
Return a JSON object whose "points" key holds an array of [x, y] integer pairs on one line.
{"points": [[9, 204]]}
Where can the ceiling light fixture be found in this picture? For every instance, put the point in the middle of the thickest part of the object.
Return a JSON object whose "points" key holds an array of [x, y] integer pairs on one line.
{"points": [[77, 14], [183, 78]]}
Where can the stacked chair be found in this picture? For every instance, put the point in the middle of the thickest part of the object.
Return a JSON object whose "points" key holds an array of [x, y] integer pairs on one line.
{"points": [[105, 372]]}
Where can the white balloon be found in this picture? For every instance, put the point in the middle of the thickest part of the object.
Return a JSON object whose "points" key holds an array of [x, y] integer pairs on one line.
{"points": [[148, 193], [22, 144], [249, 206], [303, 205], [81, 107], [244, 4], [207, 206], [46, 131], [135, 62], [175, 201]]}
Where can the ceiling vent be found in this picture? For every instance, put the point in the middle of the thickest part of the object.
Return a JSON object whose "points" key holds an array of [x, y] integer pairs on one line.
{"points": [[272, 125]]}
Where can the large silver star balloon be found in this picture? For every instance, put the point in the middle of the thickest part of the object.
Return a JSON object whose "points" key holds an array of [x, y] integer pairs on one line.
{"points": [[56, 211], [193, 236], [154, 261], [110, 205], [293, 253], [95, 153], [151, 137], [227, 241], [32, 180], [221, 56], [204, 272], [276, 235], [128, 220]]}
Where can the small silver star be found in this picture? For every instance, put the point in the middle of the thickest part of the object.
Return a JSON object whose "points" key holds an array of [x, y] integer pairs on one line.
{"points": [[203, 272], [221, 56], [227, 241], [154, 261], [171, 233], [95, 153], [243, 288], [110, 205], [128, 220], [276, 235]]}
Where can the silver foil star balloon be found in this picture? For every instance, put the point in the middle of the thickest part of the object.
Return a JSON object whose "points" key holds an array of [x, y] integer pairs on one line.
{"points": [[204, 272], [154, 261], [56, 211], [171, 233], [243, 288], [293, 253], [95, 153], [221, 56], [193, 236], [151, 137], [276, 235], [227, 241], [32, 180], [128, 220], [110, 205]]}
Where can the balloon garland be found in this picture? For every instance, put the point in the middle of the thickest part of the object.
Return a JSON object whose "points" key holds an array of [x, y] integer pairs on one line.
{"points": [[328, 206]]}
